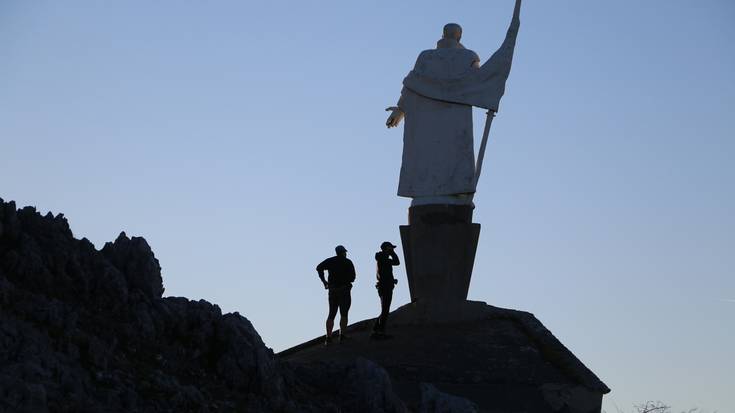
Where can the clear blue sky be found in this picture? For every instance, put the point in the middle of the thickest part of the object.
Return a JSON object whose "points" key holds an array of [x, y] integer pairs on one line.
{"points": [[244, 140]]}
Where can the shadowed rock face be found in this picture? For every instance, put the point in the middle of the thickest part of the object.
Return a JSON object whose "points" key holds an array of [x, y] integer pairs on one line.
{"points": [[83, 330], [468, 357]]}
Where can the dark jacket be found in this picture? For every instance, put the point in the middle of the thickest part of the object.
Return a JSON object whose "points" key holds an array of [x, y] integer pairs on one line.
{"points": [[341, 271], [385, 263]]}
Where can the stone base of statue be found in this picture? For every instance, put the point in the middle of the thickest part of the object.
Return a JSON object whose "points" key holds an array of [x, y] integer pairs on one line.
{"points": [[439, 246]]}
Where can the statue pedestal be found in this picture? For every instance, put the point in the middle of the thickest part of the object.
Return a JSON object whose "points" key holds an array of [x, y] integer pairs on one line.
{"points": [[439, 245]]}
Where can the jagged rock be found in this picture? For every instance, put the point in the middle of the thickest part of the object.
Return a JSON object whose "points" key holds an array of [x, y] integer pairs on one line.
{"points": [[358, 386], [134, 258], [83, 330], [435, 401]]}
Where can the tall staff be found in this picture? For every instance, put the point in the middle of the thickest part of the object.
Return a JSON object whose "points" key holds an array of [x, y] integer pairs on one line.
{"points": [[483, 145]]}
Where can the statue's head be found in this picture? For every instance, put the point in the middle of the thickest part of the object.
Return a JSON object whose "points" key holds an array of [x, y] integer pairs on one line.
{"points": [[452, 31]]}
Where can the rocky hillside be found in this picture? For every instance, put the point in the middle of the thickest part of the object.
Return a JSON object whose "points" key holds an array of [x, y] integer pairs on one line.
{"points": [[83, 330]]}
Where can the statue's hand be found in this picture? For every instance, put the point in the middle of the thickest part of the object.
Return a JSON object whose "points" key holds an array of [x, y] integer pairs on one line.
{"points": [[395, 117]]}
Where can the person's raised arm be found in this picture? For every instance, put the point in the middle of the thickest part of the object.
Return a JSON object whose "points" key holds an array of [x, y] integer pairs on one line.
{"points": [[394, 258], [320, 270]]}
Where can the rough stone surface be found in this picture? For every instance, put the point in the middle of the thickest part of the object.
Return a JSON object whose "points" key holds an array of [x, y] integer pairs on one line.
{"points": [[435, 401], [83, 330], [503, 360], [364, 386]]}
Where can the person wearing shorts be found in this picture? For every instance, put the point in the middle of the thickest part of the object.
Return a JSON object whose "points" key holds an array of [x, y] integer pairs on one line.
{"points": [[386, 259], [339, 283]]}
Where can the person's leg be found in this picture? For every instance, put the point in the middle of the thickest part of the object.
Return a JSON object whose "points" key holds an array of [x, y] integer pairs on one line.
{"points": [[342, 324], [379, 322], [330, 326], [344, 309], [376, 326], [333, 305], [385, 300], [383, 309]]}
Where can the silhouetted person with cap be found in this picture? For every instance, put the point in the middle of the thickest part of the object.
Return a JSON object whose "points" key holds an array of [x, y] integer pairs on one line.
{"points": [[341, 275], [386, 259]]}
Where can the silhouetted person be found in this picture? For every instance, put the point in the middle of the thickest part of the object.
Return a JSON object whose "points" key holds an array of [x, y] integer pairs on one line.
{"points": [[386, 259], [341, 275]]}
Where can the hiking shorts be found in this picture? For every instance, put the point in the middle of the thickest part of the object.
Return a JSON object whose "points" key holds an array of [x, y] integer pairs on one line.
{"points": [[339, 299]]}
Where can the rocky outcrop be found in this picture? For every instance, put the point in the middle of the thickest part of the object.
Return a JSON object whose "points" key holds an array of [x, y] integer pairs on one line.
{"points": [[83, 330], [360, 384], [435, 401]]}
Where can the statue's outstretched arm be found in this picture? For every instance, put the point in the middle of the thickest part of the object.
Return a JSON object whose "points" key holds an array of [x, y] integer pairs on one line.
{"points": [[396, 114]]}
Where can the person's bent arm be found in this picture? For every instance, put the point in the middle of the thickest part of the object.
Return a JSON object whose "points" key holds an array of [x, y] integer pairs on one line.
{"points": [[352, 272], [320, 271], [394, 259]]}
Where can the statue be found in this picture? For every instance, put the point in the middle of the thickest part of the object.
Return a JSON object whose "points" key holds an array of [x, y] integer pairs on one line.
{"points": [[438, 170], [438, 164]]}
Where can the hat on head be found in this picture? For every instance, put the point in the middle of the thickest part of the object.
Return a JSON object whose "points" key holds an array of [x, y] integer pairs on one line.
{"points": [[386, 244], [340, 248]]}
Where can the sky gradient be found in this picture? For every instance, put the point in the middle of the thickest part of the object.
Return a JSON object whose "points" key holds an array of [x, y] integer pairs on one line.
{"points": [[245, 140]]}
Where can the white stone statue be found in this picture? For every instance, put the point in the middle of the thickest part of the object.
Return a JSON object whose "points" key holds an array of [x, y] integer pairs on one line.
{"points": [[436, 101]]}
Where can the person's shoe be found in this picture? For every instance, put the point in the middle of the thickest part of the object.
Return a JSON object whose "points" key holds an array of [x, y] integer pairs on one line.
{"points": [[327, 341], [343, 337]]}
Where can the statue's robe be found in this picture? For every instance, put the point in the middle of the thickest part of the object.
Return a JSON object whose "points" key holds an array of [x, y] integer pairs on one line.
{"points": [[438, 151], [437, 99]]}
